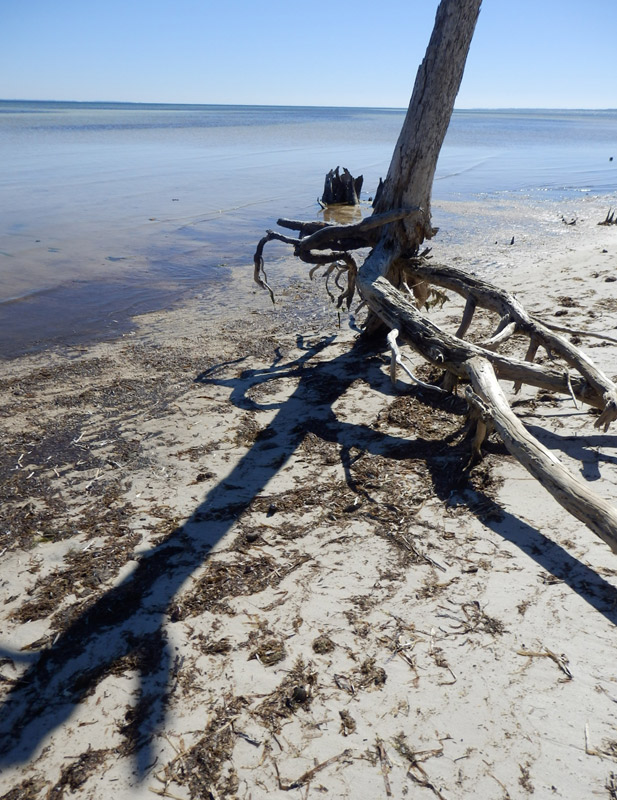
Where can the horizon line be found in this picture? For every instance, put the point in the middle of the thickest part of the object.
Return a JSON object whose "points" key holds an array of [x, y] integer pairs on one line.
{"points": [[297, 105]]}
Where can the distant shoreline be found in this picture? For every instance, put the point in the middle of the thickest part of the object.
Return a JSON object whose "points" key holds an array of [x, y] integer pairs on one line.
{"points": [[126, 104]]}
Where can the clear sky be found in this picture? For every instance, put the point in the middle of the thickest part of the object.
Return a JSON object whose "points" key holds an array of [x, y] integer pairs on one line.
{"points": [[525, 53]]}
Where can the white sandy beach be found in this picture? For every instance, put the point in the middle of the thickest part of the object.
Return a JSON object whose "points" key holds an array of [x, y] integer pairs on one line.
{"points": [[237, 562]]}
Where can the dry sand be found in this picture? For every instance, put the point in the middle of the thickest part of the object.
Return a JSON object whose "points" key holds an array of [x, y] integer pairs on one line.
{"points": [[236, 562]]}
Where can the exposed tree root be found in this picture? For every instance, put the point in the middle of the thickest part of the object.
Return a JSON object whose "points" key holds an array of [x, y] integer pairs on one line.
{"points": [[569, 491], [396, 279], [465, 361], [481, 366], [338, 240]]}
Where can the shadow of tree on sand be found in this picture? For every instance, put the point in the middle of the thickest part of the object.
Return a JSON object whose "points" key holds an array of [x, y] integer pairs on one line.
{"points": [[125, 628]]}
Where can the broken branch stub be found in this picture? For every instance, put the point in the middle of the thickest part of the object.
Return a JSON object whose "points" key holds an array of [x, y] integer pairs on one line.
{"points": [[396, 279]]}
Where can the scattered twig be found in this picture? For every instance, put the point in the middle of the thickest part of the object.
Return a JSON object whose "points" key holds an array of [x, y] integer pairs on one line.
{"points": [[344, 683], [164, 793], [419, 554], [591, 751], [503, 786], [561, 660], [386, 766], [476, 619], [416, 771], [245, 736], [409, 660], [577, 332], [419, 775], [308, 775], [603, 690], [441, 661], [89, 484], [550, 580], [571, 390]]}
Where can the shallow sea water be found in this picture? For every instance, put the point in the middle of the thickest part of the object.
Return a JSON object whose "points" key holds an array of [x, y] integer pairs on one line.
{"points": [[108, 210]]}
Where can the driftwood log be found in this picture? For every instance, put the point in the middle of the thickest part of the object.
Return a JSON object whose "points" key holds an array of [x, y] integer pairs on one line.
{"points": [[397, 278]]}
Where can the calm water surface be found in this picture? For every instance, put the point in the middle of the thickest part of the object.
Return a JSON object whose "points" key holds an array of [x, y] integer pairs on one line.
{"points": [[110, 210]]}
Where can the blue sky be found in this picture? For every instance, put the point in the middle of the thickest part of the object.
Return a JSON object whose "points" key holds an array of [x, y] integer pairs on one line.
{"points": [[525, 53]]}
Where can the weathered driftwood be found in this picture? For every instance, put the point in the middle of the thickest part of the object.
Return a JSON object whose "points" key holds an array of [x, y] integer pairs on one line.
{"points": [[570, 492], [341, 188], [396, 279]]}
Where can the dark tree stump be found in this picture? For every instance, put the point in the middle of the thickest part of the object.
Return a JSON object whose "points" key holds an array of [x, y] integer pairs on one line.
{"points": [[341, 188]]}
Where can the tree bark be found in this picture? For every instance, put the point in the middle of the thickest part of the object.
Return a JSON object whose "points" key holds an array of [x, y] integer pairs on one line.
{"points": [[409, 181]]}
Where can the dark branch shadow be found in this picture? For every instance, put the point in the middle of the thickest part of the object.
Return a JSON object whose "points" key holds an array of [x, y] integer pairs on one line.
{"points": [[125, 628], [591, 587], [117, 632], [580, 448]]}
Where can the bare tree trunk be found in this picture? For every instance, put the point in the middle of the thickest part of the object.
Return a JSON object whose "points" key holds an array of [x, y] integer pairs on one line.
{"points": [[410, 177], [409, 181]]}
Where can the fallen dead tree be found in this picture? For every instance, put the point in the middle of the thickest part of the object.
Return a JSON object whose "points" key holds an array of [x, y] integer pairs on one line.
{"points": [[396, 279]]}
